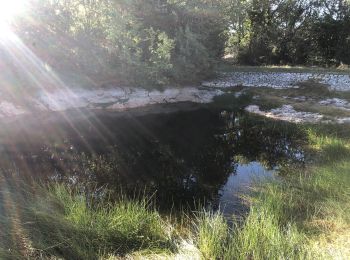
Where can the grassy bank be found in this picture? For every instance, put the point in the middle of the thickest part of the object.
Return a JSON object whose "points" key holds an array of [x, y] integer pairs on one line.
{"points": [[305, 216], [229, 66], [57, 221]]}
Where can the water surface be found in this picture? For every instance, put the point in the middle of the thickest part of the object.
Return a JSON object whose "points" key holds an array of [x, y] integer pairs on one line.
{"points": [[182, 154]]}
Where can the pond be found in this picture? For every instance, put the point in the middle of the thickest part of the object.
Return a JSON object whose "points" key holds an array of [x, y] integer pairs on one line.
{"points": [[181, 154]]}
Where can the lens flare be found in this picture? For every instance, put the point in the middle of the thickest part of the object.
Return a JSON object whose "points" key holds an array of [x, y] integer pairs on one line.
{"points": [[9, 9]]}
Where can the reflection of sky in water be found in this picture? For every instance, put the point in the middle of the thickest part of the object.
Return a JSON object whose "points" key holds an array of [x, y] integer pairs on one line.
{"points": [[239, 182]]}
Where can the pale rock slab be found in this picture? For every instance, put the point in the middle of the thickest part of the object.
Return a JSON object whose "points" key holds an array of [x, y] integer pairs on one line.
{"points": [[279, 80], [287, 113], [336, 102]]}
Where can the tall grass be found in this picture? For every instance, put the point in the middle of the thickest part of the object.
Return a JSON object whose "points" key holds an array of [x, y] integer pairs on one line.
{"points": [[262, 235], [63, 223], [212, 230], [304, 216]]}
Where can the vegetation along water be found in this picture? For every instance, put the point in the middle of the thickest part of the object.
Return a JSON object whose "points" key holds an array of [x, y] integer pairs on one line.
{"points": [[175, 129]]}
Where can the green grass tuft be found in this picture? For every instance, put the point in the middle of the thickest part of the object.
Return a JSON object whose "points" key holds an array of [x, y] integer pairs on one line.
{"points": [[63, 223], [304, 216], [212, 230]]}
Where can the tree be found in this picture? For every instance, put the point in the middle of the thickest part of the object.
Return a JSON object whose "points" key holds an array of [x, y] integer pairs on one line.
{"points": [[289, 31], [132, 42]]}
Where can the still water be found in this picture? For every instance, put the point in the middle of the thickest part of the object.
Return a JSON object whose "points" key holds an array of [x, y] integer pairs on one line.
{"points": [[181, 154]]}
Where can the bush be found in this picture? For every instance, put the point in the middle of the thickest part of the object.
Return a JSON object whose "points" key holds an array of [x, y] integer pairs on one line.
{"points": [[127, 42]]}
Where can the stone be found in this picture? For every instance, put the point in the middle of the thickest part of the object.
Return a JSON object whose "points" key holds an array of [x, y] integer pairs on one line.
{"points": [[279, 80], [286, 113], [336, 103]]}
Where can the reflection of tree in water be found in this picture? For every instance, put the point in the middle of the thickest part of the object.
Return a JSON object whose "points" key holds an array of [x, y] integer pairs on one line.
{"points": [[176, 155], [184, 156], [257, 139]]}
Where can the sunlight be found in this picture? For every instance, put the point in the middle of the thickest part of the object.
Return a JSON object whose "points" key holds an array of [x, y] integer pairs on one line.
{"points": [[9, 10]]}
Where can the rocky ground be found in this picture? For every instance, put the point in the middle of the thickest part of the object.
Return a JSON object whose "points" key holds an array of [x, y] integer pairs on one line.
{"points": [[118, 98], [279, 80], [288, 113], [335, 83], [123, 98]]}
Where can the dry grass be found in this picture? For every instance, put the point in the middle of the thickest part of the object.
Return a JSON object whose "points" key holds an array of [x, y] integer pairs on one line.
{"points": [[228, 66]]}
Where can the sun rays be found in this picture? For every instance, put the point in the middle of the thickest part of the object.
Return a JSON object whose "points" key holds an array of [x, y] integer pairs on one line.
{"points": [[32, 76], [9, 10]]}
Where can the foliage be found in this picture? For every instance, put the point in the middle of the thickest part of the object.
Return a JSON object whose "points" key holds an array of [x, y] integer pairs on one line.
{"points": [[289, 32], [131, 42], [152, 43]]}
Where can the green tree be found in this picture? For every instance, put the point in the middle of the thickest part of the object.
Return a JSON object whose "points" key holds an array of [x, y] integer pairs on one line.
{"points": [[130, 42]]}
